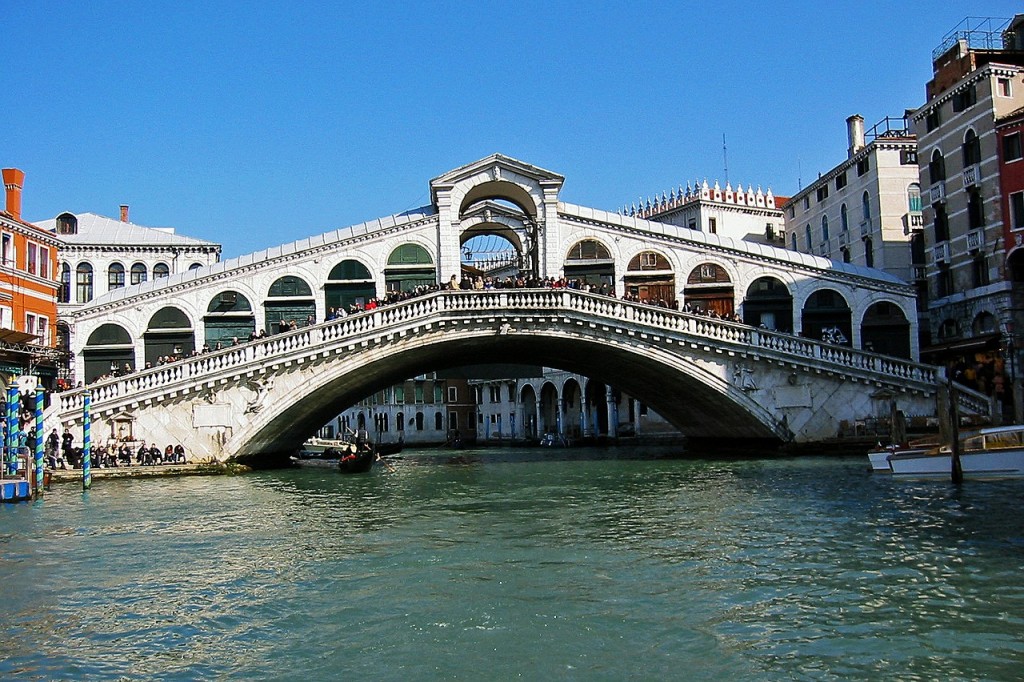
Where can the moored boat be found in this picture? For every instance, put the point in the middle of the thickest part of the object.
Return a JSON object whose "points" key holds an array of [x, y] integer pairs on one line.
{"points": [[879, 458], [993, 452]]}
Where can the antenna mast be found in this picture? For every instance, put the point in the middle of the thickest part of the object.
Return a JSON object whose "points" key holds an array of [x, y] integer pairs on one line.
{"points": [[725, 159]]}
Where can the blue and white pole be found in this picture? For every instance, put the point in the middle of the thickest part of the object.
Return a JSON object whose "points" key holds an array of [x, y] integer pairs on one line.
{"points": [[40, 441], [86, 441], [13, 396]]}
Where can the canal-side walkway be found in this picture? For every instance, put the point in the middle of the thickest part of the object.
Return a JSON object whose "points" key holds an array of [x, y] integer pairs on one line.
{"points": [[140, 471]]}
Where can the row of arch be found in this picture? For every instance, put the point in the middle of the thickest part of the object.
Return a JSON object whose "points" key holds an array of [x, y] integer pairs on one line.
{"points": [[970, 151], [117, 276], [230, 317]]}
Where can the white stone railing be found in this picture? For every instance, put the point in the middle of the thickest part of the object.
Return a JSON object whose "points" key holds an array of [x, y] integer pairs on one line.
{"points": [[182, 375]]}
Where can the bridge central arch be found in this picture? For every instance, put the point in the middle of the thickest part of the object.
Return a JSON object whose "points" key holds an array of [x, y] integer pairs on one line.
{"points": [[686, 392]]}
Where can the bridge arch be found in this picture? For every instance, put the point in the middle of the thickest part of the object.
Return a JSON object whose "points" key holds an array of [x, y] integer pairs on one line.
{"points": [[650, 275], [107, 350], [169, 332], [229, 318], [590, 259], [409, 265], [709, 286], [826, 309], [657, 376], [519, 191], [288, 298], [572, 403], [528, 412], [884, 328], [349, 283], [769, 303]]}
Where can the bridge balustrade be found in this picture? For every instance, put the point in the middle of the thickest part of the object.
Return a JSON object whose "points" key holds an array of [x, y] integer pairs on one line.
{"points": [[196, 369]]}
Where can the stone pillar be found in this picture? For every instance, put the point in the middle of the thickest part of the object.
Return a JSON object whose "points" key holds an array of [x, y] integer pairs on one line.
{"points": [[636, 416], [560, 402], [613, 413], [549, 239], [584, 421], [448, 254]]}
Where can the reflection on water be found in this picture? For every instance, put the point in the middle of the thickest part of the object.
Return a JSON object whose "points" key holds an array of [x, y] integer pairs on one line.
{"points": [[571, 564]]}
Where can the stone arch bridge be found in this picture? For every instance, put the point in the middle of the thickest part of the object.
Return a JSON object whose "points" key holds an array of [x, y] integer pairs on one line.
{"points": [[711, 378]]}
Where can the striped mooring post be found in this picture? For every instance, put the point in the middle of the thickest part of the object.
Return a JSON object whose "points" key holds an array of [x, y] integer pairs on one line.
{"points": [[40, 442], [86, 442], [13, 397]]}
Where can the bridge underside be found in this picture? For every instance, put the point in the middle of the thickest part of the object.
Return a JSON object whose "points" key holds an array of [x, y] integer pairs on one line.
{"points": [[692, 399]]}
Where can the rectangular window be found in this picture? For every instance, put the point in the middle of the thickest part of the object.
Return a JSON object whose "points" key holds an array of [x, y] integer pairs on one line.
{"points": [[807, 203], [713, 225], [43, 330], [979, 271], [5, 318], [30, 323], [1003, 87], [453, 394], [863, 165], [453, 420], [438, 394], [908, 157], [419, 392], [932, 119], [7, 250], [495, 394], [30, 264], [1011, 147], [44, 262], [822, 193], [511, 393], [494, 419], [400, 394], [1017, 211], [648, 259], [965, 99], [692, 223], [841, 181]]}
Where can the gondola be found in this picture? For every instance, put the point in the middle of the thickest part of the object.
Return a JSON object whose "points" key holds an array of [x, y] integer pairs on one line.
{"points": [[358, 462]]}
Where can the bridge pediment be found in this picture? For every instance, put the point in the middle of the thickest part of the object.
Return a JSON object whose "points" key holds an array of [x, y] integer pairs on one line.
{"points": [[496, 175]]}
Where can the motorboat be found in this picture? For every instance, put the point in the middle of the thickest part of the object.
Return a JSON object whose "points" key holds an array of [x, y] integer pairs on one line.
{"points": [[326, 448], [879, 457], [992, 452]]}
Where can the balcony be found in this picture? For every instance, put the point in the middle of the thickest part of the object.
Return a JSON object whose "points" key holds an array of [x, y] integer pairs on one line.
{"points": [[975, 240], [865, 228], [915, 220], [941, 253], [844, 239], [971, 176], [937, 192]]}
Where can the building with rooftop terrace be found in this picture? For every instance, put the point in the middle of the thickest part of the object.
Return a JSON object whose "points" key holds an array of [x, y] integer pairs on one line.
{"points": [[100, 254]]}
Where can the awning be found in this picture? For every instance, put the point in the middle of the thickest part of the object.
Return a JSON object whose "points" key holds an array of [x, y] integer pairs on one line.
{"points": [[983, 342], [12, 336]]}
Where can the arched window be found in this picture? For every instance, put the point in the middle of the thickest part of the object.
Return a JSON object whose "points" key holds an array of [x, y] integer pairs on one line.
{"points": [[865, 204], [824, 228], [807, 235], [936, 168], [869, 253], [161, 270], [419, 421], [438, 421], [115, 276], [139, 273], [64, 294], [83, 283], [844, 219], [195, 266], [971, 149], [914, 197], [792, 239]]}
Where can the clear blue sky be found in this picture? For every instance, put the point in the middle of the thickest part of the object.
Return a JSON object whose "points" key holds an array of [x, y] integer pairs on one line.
{"points": [[254, 124]]}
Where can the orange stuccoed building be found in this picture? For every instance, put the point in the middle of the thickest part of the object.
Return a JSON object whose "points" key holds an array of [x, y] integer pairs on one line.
{"points": [[28, 293]]}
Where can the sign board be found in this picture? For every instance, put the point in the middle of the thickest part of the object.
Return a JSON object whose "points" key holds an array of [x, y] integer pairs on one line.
{"points": [[27, 384]]}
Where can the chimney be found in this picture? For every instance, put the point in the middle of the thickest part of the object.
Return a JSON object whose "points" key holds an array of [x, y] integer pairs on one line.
{"points": [[14, 180], [855, 133], [124, 213]]}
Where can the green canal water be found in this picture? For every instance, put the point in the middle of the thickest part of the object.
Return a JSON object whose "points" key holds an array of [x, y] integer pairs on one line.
{"points": [[564, 564]]}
